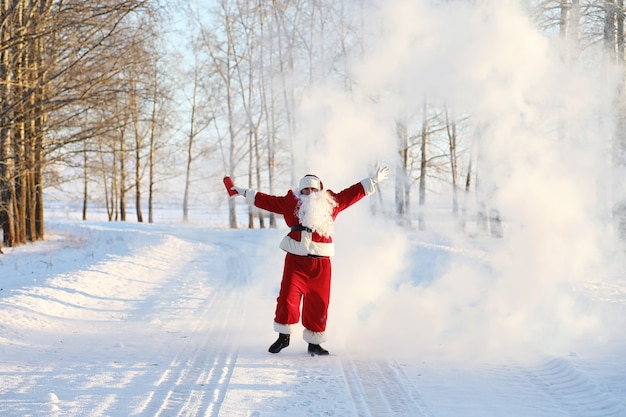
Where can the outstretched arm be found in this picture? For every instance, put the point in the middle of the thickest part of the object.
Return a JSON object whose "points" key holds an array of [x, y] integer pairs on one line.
{"points": [[275, 204], [369, 184]]}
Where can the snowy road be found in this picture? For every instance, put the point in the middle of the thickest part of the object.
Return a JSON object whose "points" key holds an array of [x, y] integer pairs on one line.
{"points": [[134, 320]]}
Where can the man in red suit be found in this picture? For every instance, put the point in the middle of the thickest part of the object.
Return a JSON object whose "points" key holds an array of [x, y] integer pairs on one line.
{"points": [[310, 213]]}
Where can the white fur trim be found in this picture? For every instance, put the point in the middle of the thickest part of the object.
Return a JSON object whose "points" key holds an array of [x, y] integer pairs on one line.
{"points": [[283, 328], [310, 181], [313, 337], [306, 246], [368, 186], [250, 195]]}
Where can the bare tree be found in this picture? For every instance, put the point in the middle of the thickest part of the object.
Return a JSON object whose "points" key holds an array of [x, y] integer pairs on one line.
{"points": [[425, 138], [402, 186], [451, 128], [267, 91], [199, 120]]}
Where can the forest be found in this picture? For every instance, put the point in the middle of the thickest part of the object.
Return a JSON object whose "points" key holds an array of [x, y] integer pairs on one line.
{"points": [[121, 95]]}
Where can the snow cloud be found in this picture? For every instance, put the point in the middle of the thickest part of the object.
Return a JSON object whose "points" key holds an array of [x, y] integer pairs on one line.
{"points": [[540, 124]]}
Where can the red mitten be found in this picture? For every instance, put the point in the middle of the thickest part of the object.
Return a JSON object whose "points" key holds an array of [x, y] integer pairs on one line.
{"points": [[228, 183]]}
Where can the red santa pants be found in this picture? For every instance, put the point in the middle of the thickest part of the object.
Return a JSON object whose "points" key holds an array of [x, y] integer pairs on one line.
{"points": [[307, 279]]}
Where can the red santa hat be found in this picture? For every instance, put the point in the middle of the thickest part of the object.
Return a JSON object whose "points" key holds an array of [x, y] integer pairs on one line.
{"points": [[311, 181]]}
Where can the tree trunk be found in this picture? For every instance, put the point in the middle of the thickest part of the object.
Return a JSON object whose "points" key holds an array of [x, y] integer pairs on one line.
{"points": [[250, 168], [268, 109], [614, 44], [138, 178], [122, 178], [423, 167], [134, 114], [454, 171], [85, 180], [402, 177], [190, 142], [152, 148], [7, 161]]}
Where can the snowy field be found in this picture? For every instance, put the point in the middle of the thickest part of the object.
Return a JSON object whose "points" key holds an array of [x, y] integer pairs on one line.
{"points": [[126, 319]]}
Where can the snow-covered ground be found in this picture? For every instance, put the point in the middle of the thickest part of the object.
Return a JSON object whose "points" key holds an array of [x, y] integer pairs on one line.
{"points": [[125, 319]]}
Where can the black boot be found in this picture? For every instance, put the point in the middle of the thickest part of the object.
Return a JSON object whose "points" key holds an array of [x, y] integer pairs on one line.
{"points": [[317, 350], [280, 343]]}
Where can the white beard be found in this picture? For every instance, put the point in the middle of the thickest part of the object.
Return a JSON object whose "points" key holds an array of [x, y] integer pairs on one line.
{"points": [[315, 212]]}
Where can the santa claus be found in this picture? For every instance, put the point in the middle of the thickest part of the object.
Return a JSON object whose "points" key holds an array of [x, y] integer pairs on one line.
{"points": [[310, 212]]}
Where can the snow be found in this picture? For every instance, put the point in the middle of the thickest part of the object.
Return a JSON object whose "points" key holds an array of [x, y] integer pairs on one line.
{"points": [[126, 319]]}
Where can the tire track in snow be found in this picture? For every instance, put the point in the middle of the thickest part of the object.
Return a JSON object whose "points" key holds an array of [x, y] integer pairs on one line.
{"points": [[120, 306], [575, 394], [382, 389], [196, 380]]}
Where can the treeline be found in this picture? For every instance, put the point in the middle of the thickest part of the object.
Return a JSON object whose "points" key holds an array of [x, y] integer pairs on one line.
{"points": [[88, 92], [73, 76]]}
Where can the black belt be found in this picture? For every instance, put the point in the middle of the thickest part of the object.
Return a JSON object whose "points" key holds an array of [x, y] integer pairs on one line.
{"points": [[300, 228]]}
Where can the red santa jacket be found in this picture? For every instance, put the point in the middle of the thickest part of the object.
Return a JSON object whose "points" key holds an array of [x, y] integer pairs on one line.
{"points": [[303, 242]]}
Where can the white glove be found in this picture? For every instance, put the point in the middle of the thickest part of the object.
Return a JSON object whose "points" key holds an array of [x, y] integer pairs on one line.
{"points": [[381, 175], [240, 191]]}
